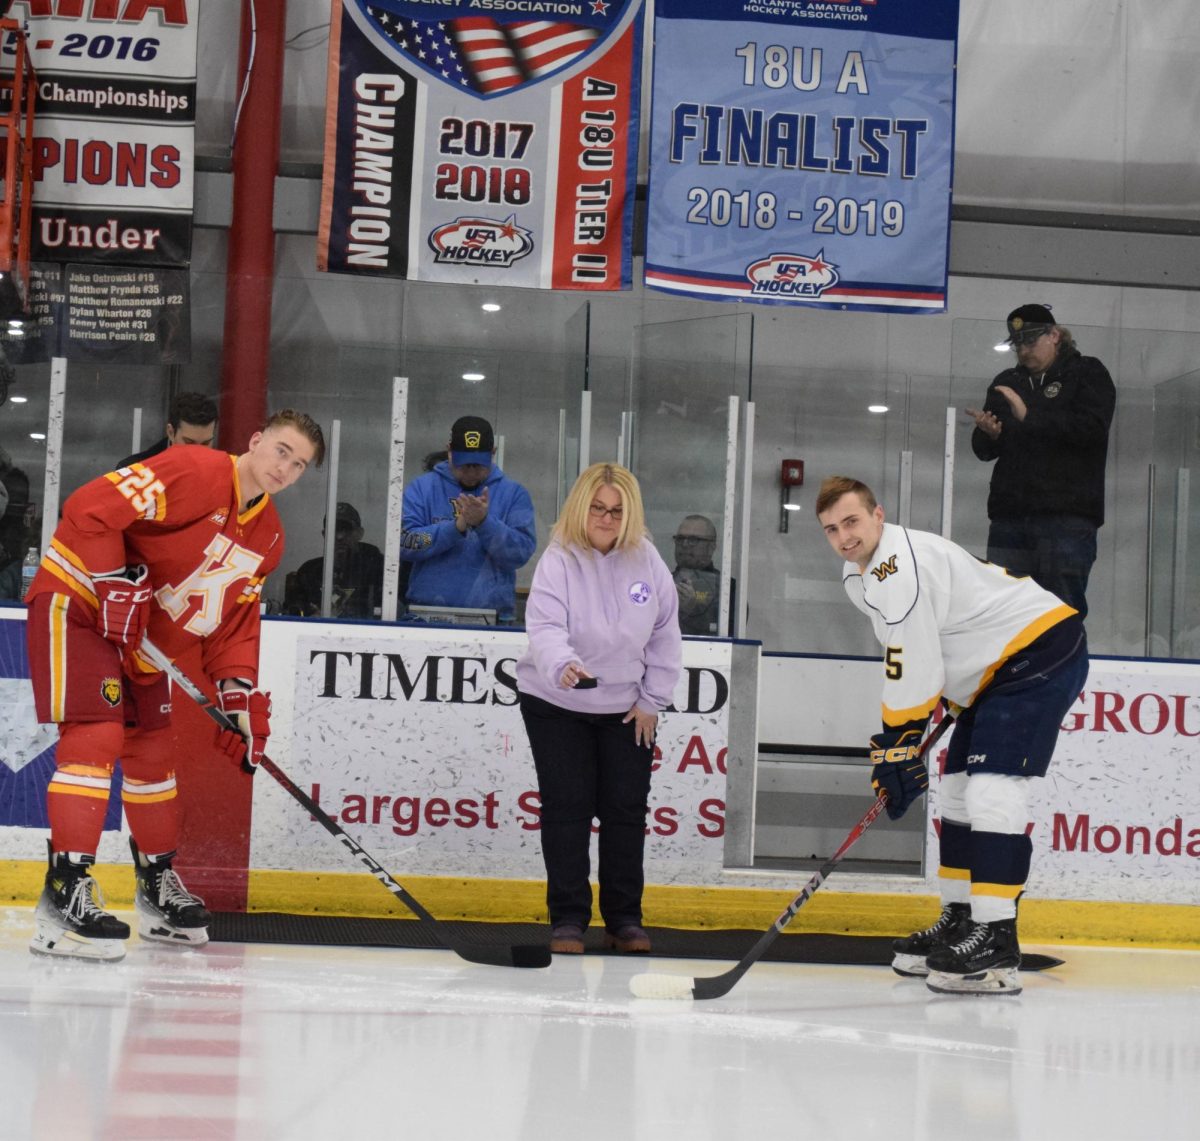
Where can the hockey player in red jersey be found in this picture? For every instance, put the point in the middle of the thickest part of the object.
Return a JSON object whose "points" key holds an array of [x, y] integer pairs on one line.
{"points": [[175, 548], [1012, 658]]}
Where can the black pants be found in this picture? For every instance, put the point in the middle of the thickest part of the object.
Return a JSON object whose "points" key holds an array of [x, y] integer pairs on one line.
{"points": [[590, 766], [1056, 551]]}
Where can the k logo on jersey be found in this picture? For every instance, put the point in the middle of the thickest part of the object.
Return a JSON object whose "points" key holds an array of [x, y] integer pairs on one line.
{"points": [[885, 568]]}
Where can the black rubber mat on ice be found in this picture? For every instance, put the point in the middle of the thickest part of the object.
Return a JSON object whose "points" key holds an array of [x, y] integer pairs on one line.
{"points": [[669, 942]]}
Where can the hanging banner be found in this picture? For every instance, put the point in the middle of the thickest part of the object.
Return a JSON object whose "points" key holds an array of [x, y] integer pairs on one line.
{"points": [[482, 141], [801, 152], [114, 133]]}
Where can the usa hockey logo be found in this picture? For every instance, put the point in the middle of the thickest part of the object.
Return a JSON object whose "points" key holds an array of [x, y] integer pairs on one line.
{"points": [[481, 242], [792, 275]]}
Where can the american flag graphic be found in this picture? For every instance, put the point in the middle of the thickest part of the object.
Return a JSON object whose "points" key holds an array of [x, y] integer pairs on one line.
{"points": [[483, 55]]}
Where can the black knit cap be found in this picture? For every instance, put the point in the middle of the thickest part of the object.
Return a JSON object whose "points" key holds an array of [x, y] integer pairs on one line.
{"points": [[1028, 322]]}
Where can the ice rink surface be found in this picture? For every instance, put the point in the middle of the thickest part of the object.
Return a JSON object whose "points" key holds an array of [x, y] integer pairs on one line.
{"points": [[262, 1042]]}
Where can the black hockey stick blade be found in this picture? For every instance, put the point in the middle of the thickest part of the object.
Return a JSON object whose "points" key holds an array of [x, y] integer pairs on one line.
{"points": [[504, 955], [714, 986], [1039, 962]]}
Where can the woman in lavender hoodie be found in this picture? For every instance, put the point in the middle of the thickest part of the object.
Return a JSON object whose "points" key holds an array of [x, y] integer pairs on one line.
{"points": [[603, 659]]}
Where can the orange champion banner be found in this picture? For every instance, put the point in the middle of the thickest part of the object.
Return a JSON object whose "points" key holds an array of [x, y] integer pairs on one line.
{"points": [[482, 141]]}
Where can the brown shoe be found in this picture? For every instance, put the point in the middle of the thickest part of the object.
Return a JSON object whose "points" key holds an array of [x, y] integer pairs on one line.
{"points": [[566, 939], [629, 940]]}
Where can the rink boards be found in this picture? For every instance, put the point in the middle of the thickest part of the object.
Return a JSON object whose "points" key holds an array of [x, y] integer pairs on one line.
{"points": [[411, 738]]}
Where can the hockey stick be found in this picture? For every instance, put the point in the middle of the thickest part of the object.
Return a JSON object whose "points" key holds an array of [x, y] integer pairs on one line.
{"points": [[510, 955], [714, 986]]}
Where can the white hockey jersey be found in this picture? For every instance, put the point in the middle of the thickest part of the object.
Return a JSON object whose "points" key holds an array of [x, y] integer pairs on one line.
{"points": [[947, 620]]}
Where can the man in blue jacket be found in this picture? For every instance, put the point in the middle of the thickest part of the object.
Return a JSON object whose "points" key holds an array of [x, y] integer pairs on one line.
{"points": [[467, 529]]}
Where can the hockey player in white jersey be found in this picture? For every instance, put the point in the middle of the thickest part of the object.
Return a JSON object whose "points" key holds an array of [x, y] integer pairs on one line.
{"points": [[1011, 658]]}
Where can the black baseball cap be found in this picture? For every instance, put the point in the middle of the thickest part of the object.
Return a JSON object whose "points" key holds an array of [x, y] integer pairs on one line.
{"points": [[1028, 322], [347, 516], [472, 441]]}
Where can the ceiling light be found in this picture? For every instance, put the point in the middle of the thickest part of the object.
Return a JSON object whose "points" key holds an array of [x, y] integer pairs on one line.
{"points": [[19, 399], [1002, 347], [877, 408], [37, 435], [473, 377], [791, 507], [490, 307]]}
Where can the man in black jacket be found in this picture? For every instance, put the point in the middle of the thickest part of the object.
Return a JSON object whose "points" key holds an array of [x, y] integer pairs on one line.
{"points": [[1045, 423], [357, 574], [191, 419]]}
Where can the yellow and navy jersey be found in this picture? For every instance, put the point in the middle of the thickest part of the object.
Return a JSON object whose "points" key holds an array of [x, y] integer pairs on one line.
{"points": [[947, 620], [177, 513]]}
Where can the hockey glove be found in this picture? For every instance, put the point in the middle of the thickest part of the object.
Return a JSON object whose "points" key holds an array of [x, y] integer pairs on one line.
{"points": [[123, 599], [250, 710], [898, 772]]}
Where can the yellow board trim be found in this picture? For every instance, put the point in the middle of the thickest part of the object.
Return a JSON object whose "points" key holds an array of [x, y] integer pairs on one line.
{"points": [[1043, 921]]}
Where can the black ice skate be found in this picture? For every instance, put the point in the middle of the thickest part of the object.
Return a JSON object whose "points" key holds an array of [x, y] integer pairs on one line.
{"points": [[908, 954], [167, 912], [984, 962], [70, 920]]}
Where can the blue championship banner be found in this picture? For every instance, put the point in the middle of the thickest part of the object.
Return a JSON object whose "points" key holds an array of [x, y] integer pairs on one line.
{"points": [[801, 152], [482, 141]]}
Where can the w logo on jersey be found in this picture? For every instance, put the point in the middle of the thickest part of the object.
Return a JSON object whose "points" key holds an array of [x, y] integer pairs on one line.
{"points": [[885, 568], [204, 592]]}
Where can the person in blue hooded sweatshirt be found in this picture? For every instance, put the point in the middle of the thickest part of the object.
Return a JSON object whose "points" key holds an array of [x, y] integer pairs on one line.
{"points": [[467, 529]]}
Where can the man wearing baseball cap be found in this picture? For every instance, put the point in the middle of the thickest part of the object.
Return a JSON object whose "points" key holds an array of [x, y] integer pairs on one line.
{"points": [[1045, 425], [467, 528], [357, 574]]}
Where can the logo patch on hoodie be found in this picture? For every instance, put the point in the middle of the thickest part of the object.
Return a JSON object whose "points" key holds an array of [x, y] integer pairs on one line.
{"points": [[639, 593]]}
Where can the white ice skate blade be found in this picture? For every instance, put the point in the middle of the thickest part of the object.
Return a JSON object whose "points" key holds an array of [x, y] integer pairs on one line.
{"points": [[1002, 980], [61, 943], [910, 966], [160, 931]]}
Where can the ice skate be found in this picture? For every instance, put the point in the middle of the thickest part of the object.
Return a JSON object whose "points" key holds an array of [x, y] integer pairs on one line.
{"points": [[166, 911], [908, 954], [986, 961], [70, 921]]}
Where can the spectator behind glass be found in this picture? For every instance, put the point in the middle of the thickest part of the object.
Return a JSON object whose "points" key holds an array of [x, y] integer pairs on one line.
{"points": [[1045, 424], [697, 581], [16, 530], [431, 460], [192, 419], [604, 657], [467, 529], [357, 574]]}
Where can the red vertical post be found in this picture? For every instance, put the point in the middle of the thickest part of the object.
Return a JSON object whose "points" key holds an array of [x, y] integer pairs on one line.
{"points": [[250, 270]]}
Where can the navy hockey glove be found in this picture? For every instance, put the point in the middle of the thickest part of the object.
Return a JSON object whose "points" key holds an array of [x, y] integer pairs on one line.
{"points": [[898, 772]]}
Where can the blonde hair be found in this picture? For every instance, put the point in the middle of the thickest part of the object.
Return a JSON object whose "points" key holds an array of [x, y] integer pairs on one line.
{"points": [[571, 528]]}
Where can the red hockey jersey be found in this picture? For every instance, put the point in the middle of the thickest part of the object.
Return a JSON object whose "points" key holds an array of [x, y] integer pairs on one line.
{"points": [[176, 512]]}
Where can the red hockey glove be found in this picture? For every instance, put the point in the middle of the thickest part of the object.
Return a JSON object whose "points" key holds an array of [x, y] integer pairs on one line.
{"points": [[124, 605], [898, 772], [250, 710]]}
